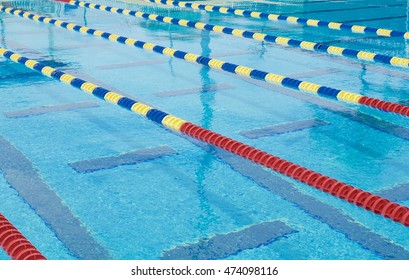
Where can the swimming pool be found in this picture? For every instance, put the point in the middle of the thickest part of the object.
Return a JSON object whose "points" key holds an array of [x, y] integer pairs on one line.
{"points": [[86, 180]]}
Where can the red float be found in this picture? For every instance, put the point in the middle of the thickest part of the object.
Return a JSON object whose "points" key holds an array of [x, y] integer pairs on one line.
{"points": [[15, 244]]}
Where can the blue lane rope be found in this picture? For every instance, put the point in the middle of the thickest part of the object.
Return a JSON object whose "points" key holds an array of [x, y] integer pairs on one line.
{"points": [[366, 200], [302, 86]]}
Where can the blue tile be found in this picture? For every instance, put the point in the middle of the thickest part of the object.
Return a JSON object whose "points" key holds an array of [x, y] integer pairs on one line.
{"points": [[283, 128], [195, 90], [49, 109]]}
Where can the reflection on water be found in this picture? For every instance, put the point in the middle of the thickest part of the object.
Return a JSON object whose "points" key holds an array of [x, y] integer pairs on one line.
{"points": [[85, 17], [207, 215], [407, 28], [206, 95], [2, 33], [51, 45]]}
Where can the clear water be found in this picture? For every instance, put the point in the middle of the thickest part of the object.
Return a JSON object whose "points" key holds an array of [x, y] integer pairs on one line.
{"points": [[139, 211]]}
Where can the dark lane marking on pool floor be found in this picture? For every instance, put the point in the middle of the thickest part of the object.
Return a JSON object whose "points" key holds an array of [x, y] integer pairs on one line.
{"points": [[21, 175], [349, 40], [176, 37], [80, 46], [222, 246], [130, 158], [373, 19], [132, 64], [325, 213], [194, 90], [283, 128], [404, 102], [234, 53], [17, 76], [396, 193], [163, 61], [48, 109], [315, 73]]}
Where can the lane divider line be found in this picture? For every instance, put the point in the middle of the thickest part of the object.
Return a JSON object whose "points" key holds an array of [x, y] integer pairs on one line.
{"points": [[263, 37], [15, 244], [363, 199], [381, 32], [129, 158], [302, 86], [221, 246]]}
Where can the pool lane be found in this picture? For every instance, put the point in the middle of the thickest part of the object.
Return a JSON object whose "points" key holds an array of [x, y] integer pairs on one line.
{"points": [[382, 32]]}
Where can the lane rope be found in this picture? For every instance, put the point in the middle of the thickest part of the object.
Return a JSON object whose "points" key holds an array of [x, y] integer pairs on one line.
{"points": [[263, 37], [301, 86], [15, 244], [381, 32], [366, 200]]}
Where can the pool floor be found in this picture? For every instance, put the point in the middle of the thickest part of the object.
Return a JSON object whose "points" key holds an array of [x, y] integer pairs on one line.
{"points": [[83, 179]]}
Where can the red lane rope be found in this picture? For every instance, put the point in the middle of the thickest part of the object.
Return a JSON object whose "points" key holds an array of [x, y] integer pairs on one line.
{"points": [[384, 105], [15, 244], [366, 200]]}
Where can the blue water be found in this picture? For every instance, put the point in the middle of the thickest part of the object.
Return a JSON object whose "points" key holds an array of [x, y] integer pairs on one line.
{"points": [[140, 211]]}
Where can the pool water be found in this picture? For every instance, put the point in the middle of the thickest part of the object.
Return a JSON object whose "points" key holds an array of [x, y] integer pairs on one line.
{"points": [[185, 193]]}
